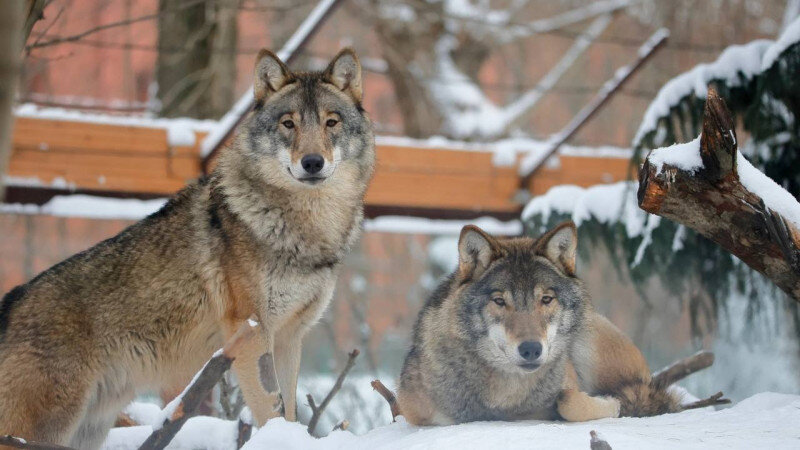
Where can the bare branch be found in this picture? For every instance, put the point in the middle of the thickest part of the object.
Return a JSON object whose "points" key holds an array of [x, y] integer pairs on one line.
{"points": [[318, 410], [107, 26], [244, 427], [388, 395], [683, 368], [343, 425], [715, 399], [532, 162]]}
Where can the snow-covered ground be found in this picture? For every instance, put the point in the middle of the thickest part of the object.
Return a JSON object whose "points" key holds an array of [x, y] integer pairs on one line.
{"points": [[766, 420]]}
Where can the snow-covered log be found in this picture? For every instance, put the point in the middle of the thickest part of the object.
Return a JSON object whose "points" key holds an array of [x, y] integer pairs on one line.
{"points": [[710, 187]]}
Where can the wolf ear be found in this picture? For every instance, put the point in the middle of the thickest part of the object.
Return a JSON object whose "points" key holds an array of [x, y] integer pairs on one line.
{"points": [[344, 72], [271, 74], [560, 246], [476, 250]]}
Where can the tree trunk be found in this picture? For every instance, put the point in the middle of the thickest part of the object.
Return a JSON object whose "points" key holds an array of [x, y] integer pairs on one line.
{"points": [[196, 64], [712, 201], [11, 19]]}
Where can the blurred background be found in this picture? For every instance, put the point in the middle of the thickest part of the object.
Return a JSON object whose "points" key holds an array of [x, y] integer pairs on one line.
{"points": [[119, 103]]}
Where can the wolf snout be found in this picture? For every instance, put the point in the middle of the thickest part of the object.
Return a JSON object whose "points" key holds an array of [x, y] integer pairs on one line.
{"points": [[312, 163], [530, 350]]}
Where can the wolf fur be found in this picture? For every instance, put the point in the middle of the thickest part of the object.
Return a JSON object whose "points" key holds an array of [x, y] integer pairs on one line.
{"points": [[263, 235], [512, 334]]}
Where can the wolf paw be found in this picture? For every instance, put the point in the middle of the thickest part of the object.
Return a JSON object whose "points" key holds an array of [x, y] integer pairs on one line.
{"points": [[614, 406]]}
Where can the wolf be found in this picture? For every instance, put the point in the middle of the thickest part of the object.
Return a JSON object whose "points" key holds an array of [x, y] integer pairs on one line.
{"points": [[264, 234], [511, 334]]}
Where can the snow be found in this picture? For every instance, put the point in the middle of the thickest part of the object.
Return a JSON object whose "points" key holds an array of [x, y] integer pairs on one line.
{"points": [[95, 207], [505, 151], [606, 203], [790, 36], [765, 420], [774, 196], [735, 65], [407, 224], [180, 131], [687, 157], [683, 156], [89, 206]]}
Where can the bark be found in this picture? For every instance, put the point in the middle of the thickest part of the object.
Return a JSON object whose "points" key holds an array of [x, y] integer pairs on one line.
{"points": [[11, 18], [683, 368], [389, 396], [713, 202], [199, 80]]}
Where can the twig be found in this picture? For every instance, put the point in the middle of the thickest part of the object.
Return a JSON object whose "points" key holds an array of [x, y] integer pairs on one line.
{"points": [[198, 389], [15, 442], [388, 395], [318, 410], [683, 368], [595, 443], [715, 399], [90, 31], [343, 425], [245, 427]]}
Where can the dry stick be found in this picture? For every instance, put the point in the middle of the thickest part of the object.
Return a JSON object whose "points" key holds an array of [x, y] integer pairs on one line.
{"points": [[388, 395], [343, 425], [715, 399], [15, 442], [245, 428], [198, 390], [683, 368], [318, 410], [595, 443]]}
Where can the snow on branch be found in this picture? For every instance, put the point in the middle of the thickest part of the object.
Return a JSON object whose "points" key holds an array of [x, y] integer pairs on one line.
{"points": [[736, 66], [466, 109], [534, 160], [724, 198]]}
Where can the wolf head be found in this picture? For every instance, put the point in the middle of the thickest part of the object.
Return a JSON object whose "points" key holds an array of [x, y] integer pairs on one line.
{"points": [[307, 130], [518, 299]]}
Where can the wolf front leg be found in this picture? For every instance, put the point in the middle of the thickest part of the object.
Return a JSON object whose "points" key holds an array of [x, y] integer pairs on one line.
{"points": [[255, 370], [575, 405], [288, 349]]}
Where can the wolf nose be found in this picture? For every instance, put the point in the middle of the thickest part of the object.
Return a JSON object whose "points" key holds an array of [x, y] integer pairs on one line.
{"points": [[530, 350], [312, 163]]}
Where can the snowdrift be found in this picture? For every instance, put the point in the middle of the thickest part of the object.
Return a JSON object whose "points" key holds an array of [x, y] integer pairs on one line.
{"points": [[766, 420]]}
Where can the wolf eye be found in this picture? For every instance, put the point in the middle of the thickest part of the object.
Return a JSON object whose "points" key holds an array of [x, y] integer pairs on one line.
{"points": [[331, 122], [500, 301], [546, 299], [288, 124]]}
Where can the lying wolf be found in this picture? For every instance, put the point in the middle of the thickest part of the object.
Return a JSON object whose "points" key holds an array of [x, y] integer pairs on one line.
{"points": [[511, 334], [264, 235]]}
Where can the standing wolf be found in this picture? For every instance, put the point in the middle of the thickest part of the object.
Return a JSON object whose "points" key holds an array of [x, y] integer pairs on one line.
{"points": [[511, 334], [264, 234]]}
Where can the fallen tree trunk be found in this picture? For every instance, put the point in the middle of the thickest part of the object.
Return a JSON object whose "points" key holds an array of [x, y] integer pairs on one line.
{"points": [[711, 199]]}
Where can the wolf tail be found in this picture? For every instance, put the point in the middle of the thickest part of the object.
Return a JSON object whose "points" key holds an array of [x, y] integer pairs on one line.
{"points": [[644, 399]]}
